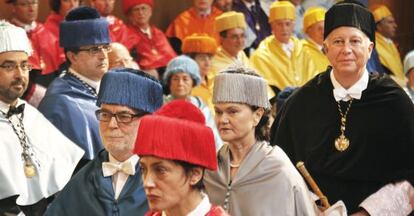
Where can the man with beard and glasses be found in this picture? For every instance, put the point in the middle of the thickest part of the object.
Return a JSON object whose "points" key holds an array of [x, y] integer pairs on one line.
{"points": [[111, 183], [46, 56], [70, 101], [34, 165]]}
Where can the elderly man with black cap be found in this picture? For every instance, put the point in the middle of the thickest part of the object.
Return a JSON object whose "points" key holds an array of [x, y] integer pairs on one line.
{"points": [[36, 159], [354, 130], [70, 101], [111, 183]]}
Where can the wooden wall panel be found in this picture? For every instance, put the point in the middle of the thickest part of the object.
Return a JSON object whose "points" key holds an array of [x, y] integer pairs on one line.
{"points": [[166, 10]]}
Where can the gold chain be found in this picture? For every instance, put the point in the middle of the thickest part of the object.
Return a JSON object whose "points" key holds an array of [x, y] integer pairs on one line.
{"points": [[342, 143]]}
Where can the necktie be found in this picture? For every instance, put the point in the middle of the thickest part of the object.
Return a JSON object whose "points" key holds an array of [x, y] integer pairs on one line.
{"points": [[15, 110], [255, 14], [110, 168]]}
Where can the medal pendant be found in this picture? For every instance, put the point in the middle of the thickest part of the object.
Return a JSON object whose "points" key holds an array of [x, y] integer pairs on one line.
{"points": [[29, 170], [341, 143]]}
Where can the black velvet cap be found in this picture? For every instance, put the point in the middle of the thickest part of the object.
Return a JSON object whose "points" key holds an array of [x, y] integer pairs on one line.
{"points": [[352, 15]]}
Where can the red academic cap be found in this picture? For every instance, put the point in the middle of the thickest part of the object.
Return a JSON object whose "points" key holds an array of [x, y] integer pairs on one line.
{"points": [[177, 131], [128, 4]]}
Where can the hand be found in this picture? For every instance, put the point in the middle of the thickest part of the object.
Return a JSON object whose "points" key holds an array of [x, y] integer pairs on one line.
{"points": [[411, 194], [361, 212]]}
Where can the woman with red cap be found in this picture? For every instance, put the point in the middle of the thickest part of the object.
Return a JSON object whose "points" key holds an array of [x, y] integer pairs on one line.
{"points": [[173, 161]]}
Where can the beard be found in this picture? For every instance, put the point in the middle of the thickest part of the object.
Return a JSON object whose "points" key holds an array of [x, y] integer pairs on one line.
{"points": [[10, 93]]}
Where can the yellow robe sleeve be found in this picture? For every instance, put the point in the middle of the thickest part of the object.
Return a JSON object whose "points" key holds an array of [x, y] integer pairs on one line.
{"points": [[318, 57], [389, 56], [278, 69]]}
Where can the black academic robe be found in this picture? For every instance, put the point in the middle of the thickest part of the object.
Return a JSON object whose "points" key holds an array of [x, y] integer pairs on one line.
{"points": [[90, 193], [380, 127]]}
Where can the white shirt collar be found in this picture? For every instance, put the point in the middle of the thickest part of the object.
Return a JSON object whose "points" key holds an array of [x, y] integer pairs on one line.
{"points": [[146, 31], [355, 91], [134, 159], [388, 40], [110, 19], [94, 84], [288, 48], [204, 14], [4, 107], [249, 4], [202, 208], [27, 27]]}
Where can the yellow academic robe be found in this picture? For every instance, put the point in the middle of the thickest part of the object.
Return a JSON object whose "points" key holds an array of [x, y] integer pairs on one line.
{"points": [[318, 57], [189, 22], [278, 69], [205, 94], [223, 60], [389, 56]]}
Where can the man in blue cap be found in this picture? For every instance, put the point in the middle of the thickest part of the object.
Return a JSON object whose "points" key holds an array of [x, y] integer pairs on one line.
{"points": [[70, 101], [111, 184]]}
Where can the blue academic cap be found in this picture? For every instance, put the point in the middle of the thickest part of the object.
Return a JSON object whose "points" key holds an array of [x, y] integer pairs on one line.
{"points": [[131, 88], [83, 26]]}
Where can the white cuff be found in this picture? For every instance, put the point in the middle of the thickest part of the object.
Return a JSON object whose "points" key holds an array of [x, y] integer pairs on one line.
{"points": [[392, 199], [338, 209]]}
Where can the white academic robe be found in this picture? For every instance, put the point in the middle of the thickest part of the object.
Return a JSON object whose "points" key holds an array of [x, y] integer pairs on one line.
{"points": [[56, 155]]}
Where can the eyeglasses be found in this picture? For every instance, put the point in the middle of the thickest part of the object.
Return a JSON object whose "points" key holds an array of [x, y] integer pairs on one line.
{"points": [[26, 4], [121, 117], [11, 66], [97, 49]]}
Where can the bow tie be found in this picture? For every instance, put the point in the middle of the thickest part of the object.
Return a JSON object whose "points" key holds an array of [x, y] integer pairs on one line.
{"points": [[346, 95], [110, 168], [15, 110]]}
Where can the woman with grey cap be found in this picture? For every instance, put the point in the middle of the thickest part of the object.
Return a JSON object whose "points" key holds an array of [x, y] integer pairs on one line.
{"points": [[253, 178], [181, 76]]}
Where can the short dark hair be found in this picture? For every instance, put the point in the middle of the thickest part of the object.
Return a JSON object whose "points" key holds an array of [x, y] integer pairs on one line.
{"points": [[262, 130], [54, 5], [188, 168], [70, 49]]}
